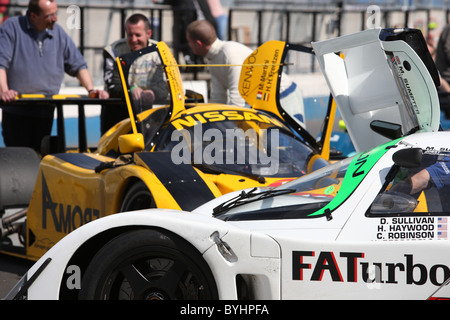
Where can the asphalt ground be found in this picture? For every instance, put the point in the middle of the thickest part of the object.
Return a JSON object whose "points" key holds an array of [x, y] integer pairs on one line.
{"points": [[11, 271]]}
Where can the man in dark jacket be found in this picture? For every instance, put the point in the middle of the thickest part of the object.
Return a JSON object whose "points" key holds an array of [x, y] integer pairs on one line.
{"points": [[185, 12], [138, 36]]}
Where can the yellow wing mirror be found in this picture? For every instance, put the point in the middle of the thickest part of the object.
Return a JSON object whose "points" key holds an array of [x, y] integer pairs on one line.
{"points": [[133, 142]]}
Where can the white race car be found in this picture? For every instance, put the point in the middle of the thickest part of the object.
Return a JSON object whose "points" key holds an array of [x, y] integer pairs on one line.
{"points": [[374, 226]]}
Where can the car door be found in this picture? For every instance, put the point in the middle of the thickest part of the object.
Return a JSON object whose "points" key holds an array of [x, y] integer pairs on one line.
{"points": [[276, 78], [381, 74]]}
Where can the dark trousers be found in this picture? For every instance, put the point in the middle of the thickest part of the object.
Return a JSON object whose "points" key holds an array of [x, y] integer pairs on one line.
{"points": [[25, 131]]}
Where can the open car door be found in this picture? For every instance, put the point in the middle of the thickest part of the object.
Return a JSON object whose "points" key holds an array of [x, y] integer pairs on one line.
{"points": [[386, 80], [270, 81], [152, 67]]}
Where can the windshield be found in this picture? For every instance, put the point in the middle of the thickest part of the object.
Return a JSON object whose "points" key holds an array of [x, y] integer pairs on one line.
{"points": [[152, 80], [236, 141], [306, 196], [314, 195], [147, 82], [415, 191]]}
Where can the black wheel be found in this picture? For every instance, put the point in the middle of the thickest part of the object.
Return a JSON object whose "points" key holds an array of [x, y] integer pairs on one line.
{"points": [[148, 265], [137, 197]]}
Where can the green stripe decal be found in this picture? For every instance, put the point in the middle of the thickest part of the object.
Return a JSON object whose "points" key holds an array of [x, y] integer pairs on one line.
{"points": [[356, 172]]}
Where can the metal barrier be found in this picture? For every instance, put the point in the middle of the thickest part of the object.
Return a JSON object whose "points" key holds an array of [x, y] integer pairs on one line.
{"points": [[248, 25], [81, 102], [324, 23]]}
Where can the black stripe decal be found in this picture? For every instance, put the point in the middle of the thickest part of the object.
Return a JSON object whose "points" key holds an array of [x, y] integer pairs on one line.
{"points": [[182, 181], [79, 159]]}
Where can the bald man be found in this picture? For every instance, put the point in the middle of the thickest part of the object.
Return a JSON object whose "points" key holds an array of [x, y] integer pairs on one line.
{"points": [[203, 40]]}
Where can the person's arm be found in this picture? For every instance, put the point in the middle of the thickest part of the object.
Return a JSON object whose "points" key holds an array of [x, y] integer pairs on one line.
{"points": [[445, 86], [8, 41], [445, 44], [419, 181], [86, 81], [6, 94]]}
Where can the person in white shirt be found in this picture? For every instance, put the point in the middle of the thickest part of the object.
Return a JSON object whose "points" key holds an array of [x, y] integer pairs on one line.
{"points": [[203, 40]]}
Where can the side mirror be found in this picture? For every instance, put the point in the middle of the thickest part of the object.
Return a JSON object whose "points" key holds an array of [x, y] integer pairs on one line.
{"points": [[408, 158], [133, 142], [193, 97], [387, 129]]}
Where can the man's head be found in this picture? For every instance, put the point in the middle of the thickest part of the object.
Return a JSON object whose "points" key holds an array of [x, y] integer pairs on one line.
{"points": [[138, 31], [43, 14], [200, 35]]}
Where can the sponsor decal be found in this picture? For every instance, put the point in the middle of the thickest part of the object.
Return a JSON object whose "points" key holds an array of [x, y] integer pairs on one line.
{"points": [[64, 217], [43, 244], [403, 82], [355, 267], [412, 228], [264, 96], [266, 75], [214, 116], [442, 228]]}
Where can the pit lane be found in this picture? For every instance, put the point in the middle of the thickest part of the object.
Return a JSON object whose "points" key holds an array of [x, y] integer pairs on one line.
{"points": [[11, 270]]}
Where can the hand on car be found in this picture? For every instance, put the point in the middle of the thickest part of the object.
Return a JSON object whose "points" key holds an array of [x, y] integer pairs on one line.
{"points": [[145, 97], [9, 95], [100, 94]]}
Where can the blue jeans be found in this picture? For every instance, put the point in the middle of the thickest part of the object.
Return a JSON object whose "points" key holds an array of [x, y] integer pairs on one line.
{"points": [[222, 25]]}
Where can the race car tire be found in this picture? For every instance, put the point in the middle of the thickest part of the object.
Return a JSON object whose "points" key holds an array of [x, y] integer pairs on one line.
{"points": [[19, 169], [148, 265], [137, 197]]}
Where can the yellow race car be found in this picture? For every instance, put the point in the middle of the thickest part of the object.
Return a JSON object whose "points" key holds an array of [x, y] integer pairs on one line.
{"points": [[175, 156]]}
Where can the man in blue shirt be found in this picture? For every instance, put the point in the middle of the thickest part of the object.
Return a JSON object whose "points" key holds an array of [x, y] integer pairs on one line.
{"points": [[435, 175], [438, 173], [35, 53]]}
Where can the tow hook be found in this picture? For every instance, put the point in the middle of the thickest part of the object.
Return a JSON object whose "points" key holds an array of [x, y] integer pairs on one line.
{"points": [[224, 249]]}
